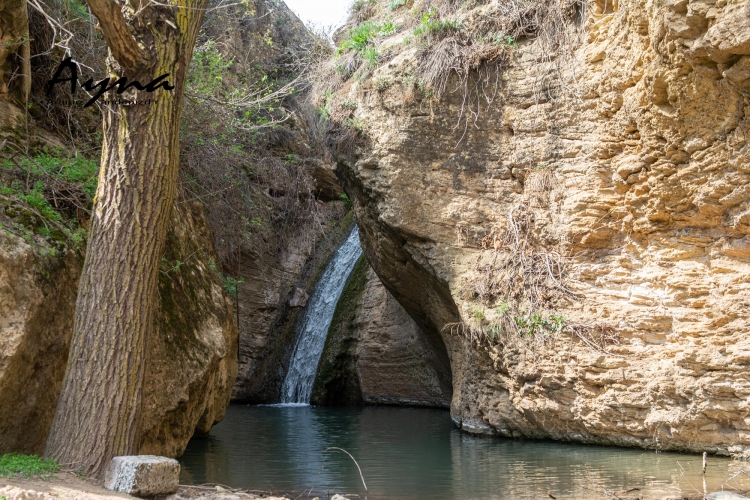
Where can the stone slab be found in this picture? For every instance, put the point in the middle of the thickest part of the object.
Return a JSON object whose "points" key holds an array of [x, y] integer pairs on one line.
{"points": [[142, 475]]}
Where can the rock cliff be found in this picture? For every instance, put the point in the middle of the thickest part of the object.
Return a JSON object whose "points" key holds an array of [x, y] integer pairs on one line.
{"points": [[192, 354], [376, 354], [605, 189]]}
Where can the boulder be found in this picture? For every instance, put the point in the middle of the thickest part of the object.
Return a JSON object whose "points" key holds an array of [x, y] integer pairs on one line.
{"points": [[143, 475]]}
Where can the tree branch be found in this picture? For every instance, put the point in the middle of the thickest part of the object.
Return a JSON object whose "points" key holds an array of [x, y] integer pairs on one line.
{"points": [[121, 42]]}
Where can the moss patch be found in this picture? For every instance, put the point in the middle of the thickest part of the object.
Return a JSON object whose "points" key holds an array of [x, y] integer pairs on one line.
{"points": [[337, 381]]}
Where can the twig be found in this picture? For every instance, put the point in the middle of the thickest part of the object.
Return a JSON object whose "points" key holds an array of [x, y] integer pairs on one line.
{"points": [[355, 463]]}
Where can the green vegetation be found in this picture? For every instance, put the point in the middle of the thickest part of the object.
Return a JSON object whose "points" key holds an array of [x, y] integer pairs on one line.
{"points": [[12, 464], [347, 201], [525, 324], [354, 124], [501, 39], [74, 169], [49, 190], [325, 109], [395, 4], [382, 83], [75, 10], [358, 4], [207, 70], [440, 28], [361, 37], [230, 284]]}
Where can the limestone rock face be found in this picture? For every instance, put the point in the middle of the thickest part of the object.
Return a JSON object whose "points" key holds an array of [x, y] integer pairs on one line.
{"points": [[14, 26], [192, 353], [37, 303], [268, 312], [300, 298], [395, 362], [646, 178]]}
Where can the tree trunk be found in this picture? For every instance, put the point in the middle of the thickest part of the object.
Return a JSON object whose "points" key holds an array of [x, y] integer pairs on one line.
{"points": [[99, 407]]}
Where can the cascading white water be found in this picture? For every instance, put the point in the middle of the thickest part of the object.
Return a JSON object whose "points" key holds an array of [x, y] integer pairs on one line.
{"points": [[312, 328]]}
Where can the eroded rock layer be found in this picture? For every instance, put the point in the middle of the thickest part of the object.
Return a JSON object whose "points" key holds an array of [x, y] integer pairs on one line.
{"points": [[638, 173]]}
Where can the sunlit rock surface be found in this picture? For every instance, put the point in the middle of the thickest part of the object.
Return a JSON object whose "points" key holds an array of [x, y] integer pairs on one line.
{"points": [[648, 197]]}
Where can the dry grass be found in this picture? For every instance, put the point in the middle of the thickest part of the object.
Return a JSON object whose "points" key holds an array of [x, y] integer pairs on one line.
{"points": [[464, 47], [521, 280], [516, 267]]}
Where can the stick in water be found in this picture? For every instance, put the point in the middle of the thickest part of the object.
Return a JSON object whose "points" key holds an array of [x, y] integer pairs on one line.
{"points": [[355, 463]]}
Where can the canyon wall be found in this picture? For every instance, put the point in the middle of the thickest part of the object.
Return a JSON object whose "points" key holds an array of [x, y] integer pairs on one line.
{"points": [[376, 354], [192, 352], [625, 162]]}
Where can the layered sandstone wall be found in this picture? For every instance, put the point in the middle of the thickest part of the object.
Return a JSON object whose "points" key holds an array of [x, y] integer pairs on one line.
{"points": [[637, 174]]}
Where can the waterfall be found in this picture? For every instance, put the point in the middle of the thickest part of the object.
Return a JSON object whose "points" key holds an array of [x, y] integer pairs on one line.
{"points": [[312, 327]]}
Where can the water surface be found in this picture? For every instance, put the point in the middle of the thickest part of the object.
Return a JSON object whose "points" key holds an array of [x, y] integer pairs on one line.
{"points": [[410, 453]]}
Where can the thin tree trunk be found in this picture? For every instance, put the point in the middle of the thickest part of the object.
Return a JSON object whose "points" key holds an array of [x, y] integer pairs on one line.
{"points": [[99, 408], [26, 58]]}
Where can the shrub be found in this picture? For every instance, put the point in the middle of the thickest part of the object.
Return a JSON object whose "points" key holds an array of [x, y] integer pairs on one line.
{"points": [[436, 29], [347, 201], [358, 4]]}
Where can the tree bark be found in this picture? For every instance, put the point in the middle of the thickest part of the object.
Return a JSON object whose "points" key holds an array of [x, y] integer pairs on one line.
{"points": [[99, 408]]}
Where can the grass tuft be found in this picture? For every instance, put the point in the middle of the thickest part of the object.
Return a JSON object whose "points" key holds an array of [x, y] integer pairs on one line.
{"points": [[15, 464]]}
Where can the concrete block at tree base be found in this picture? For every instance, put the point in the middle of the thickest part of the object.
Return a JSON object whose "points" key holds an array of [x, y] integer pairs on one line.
{"points": [[725, 495], [143, 475]]}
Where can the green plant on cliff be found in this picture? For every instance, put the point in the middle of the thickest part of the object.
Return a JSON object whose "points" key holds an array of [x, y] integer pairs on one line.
{"points": [[434, 29], [51, 192], [230, 285], [363, 36], [15, 464], [347, 202]]}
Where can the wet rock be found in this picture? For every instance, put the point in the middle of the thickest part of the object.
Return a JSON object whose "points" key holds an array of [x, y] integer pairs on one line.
{"points": [[375, 353], [142, 475], [300, 298], [725, 495]]}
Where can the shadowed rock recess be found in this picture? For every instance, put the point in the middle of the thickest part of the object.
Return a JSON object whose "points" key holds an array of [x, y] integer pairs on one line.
{"points": [[631, 155], [375, 353]]}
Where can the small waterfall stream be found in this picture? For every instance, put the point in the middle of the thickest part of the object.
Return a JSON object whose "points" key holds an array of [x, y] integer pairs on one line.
{"points": [[312, 328]]}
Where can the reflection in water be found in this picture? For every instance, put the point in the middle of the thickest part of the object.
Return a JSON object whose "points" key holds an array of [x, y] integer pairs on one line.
{"points": [[418, 454]]}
